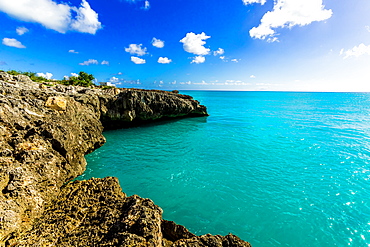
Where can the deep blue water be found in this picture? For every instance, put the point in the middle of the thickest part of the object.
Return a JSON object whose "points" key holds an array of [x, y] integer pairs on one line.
{"points": [[274, 168]]}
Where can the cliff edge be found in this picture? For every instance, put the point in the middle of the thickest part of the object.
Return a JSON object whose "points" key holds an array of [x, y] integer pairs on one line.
{"points": [[45, 131]]}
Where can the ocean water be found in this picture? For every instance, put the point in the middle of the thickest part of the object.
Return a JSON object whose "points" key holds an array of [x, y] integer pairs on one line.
{"points": [[274, 168]]}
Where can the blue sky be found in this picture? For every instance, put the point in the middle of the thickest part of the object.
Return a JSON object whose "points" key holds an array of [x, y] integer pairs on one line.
{"points": [[282, 45]]}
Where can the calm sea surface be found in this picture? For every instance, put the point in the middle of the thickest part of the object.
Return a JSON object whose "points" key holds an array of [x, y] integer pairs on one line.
{"points": [[274, 168]]}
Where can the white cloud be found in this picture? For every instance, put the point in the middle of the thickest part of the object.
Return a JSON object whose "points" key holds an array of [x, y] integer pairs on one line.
{"points": [[186, 83], [74, 75], [157, 43], [21, 30], [104, 62], [164, 60], [289, 13], [198, 59], [253, 76], [135, 82], [220, 51], [367, 28], [235, 60], [146, 5], [222, 57], [114, 80], [46, 75], [12, 43], [193, 43], [135, 49], [112, 85], [138, 60], [73, 51], [89, 62], [86, 20], [246, 2], [356, 51], [56, 16]]}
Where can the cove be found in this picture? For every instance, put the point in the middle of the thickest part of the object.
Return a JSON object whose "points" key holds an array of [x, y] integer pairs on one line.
{"points": [[275, 168]]}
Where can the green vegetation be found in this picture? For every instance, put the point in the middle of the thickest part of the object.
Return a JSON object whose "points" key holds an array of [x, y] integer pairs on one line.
{"points": [[82, 79], [31, 75], [107, 87]]}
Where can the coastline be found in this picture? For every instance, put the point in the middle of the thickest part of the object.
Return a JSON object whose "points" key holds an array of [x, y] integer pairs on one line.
{"points": [[45, 133]]}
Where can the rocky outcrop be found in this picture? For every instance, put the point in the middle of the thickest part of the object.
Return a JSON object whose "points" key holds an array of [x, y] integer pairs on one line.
{"points": [[96, 213], [45, 131], [132, 107]]}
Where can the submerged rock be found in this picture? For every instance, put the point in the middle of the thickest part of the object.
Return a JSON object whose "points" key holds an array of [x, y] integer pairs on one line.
{"points": [[44, 134]]}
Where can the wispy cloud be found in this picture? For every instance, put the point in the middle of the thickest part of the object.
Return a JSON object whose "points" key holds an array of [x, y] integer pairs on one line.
{"points": [[104, 62], [89, 62], [356, 51], [220, 51], [21, 30], [13, 43], [60, 17], [286, 14], [135, 49], [137, 60], [218, 83], [73, 51], [246, 2]]}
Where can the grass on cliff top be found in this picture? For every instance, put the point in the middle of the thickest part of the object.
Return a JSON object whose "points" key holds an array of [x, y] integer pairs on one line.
{"points": [[82, 79]]}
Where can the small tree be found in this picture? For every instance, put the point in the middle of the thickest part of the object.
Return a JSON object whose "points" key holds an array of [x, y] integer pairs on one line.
{"points": [[83, 79]]}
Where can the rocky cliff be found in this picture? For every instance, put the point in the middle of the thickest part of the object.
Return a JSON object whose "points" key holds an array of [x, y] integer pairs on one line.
{"points": [[45, 131]]}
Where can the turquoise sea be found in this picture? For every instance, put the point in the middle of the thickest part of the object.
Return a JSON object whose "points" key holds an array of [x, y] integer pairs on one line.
{"points": [[274, 168]]}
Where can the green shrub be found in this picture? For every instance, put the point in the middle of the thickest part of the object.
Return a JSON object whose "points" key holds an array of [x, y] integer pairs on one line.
{"points": [[31, 75], [83, 79]]}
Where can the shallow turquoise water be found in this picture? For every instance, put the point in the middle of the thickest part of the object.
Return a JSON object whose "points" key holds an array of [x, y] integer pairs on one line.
{"points": [[274, 168]]}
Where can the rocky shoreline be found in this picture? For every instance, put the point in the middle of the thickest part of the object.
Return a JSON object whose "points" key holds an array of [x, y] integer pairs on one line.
{"points": [[45, 131]]}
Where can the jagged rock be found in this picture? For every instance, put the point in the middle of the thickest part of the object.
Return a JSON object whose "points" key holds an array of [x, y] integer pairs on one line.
{"points": [[57, 103], [132, 107], [40, 149], [96, 213], [44, 134]]}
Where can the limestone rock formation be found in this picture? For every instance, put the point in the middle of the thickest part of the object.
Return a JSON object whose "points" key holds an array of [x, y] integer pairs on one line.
{"points": [[45, 131], [96, 213]]}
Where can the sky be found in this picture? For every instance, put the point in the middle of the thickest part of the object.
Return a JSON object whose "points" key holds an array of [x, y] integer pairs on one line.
{"points": [[249, 45]]}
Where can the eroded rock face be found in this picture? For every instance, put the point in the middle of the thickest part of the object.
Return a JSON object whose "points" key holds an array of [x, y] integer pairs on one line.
{"points": [[96, 213], [138, 106], [41, 148], [45, 131]]}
